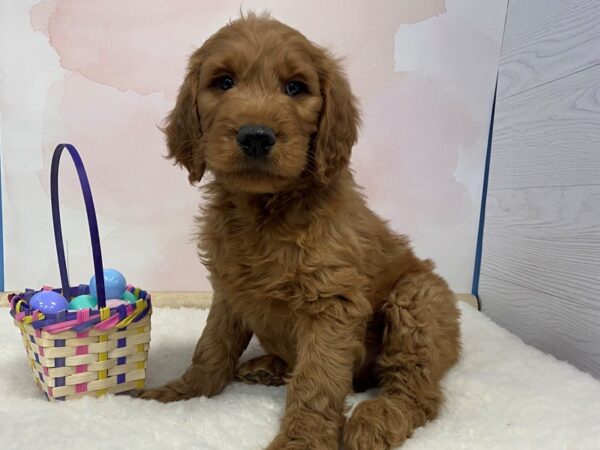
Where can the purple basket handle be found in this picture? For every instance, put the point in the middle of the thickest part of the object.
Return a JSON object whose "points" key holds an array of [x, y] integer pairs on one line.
{"points": [[91, 215]]}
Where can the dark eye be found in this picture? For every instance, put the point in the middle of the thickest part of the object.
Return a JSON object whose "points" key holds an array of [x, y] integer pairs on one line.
{"points": [[224, 83], [293, 88]]}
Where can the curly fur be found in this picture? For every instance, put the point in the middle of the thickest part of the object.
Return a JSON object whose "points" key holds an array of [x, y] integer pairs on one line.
{"points": [[296, 257]]}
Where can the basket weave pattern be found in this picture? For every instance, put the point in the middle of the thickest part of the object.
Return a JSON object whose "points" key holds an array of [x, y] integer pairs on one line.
{"points": [[95, 362], [91, 351]]}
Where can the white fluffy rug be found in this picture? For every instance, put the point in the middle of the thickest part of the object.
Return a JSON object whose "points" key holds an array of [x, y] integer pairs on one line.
{"points": [[503, 395]]}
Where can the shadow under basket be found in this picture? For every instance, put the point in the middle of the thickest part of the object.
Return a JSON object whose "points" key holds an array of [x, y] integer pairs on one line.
{"points": [[86, 352], [91, 351]]}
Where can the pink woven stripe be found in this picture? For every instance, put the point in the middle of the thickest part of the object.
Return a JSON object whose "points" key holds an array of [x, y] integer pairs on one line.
{"points": [[50, 392], [110, 322], [45, 369], [81, 350], [41, 351], [62, 326], [38, 333]]}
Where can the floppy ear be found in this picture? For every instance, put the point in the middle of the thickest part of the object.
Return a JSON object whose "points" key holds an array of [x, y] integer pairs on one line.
{"points": [[338, 123], [183, 128]]}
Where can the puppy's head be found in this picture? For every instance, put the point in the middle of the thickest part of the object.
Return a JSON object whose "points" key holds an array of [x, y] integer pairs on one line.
{"points": [[263, 109]]}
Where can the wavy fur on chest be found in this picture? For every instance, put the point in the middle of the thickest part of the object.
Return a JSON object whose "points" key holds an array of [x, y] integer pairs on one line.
{"points": [[296, 248]]}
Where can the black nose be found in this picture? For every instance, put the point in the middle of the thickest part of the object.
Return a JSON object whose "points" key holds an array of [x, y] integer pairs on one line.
{"points": [[256, 140]]}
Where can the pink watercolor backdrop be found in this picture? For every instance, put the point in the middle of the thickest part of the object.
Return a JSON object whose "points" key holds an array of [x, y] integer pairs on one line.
{"points": [[102, 75]]}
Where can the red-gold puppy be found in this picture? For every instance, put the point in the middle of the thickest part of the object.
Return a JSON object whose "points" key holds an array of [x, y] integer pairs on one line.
{"points": [[337, 299]]}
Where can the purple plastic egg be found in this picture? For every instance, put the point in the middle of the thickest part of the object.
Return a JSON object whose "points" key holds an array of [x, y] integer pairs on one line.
{"points": [[48, 302]]}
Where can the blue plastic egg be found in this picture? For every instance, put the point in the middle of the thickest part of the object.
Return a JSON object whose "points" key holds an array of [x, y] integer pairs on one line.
{"points": [[48, 302], [83, 302], [114, 284]]}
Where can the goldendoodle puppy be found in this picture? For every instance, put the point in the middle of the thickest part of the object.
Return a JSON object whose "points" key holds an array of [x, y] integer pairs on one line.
{"points": [[296, 258]]}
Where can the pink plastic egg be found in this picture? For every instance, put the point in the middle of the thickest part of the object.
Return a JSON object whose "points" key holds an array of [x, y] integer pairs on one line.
{"points": [[114, 302]]}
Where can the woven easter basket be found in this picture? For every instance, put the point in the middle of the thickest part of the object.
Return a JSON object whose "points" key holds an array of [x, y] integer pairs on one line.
{"points": [[90, 351]]}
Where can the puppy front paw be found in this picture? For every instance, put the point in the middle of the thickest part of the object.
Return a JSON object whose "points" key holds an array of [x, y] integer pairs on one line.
{"points": [[283, 442], [170, 392], [280, 442], [372, 425]]}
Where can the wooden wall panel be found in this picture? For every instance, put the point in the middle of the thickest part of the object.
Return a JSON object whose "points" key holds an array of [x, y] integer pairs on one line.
{"points": [[540, 273], [546, 239], [548, 136], [547, 39], [549, 323]]}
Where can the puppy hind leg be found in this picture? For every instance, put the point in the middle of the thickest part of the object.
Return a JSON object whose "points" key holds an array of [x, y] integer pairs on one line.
{"points": [[420, 341]]}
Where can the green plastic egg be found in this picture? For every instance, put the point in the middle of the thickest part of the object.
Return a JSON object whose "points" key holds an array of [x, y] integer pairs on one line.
{"points": [[129, 296], [83, 302]]}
